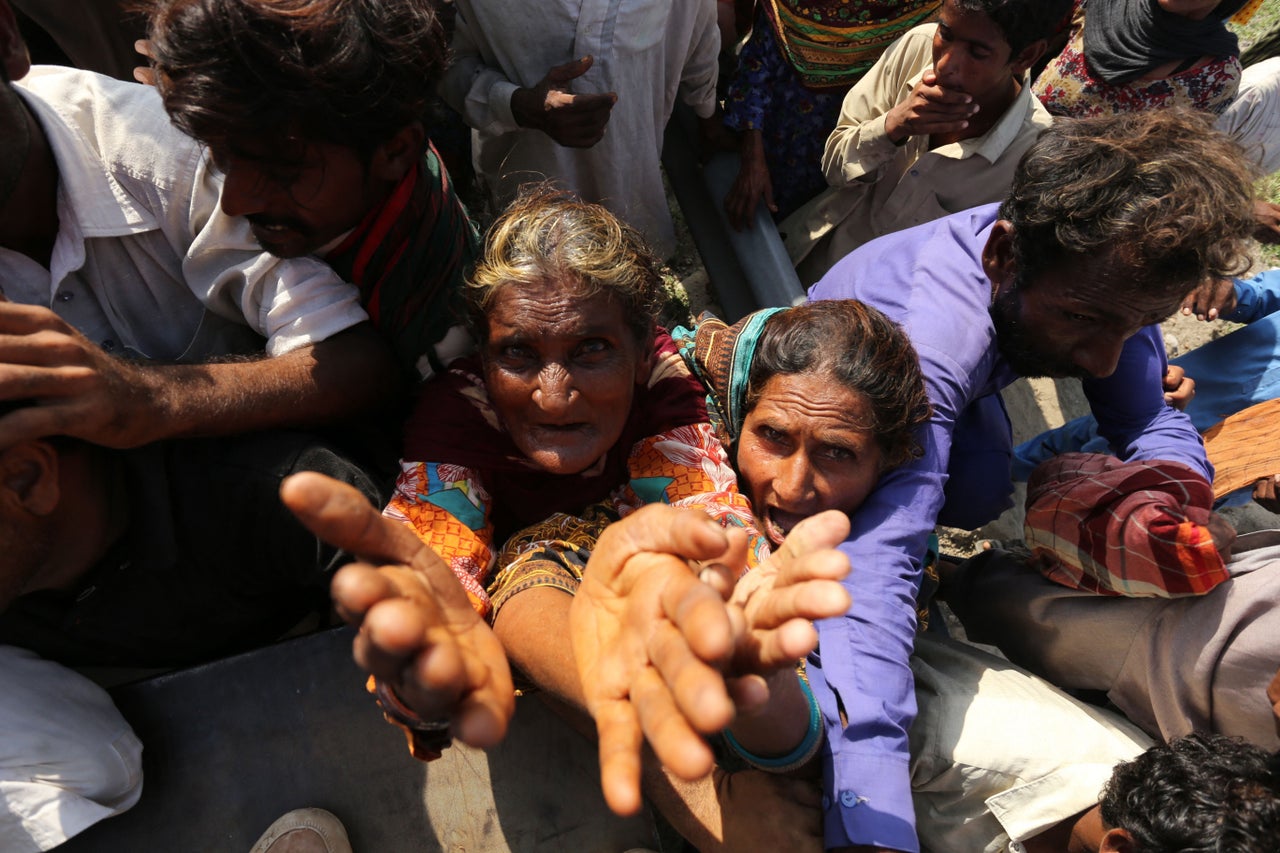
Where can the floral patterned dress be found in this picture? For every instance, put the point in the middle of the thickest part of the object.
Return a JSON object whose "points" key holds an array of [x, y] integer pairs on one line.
{"points": [[1067, 87], [487, 494]]}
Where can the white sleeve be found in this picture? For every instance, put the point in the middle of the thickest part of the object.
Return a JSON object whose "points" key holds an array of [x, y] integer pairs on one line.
{"points": [[290, 302]]}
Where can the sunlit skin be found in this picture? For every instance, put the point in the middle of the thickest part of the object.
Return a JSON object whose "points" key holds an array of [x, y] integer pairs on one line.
{"points": [[804, 448], [1074, 319], [561, 371]]}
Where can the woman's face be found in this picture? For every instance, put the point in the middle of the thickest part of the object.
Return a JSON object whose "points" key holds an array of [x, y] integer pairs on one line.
{"points": [[802, 452], [561, 371]]}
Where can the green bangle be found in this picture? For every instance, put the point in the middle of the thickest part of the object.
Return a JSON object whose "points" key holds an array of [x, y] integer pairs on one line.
{"points": [[797, 757]]}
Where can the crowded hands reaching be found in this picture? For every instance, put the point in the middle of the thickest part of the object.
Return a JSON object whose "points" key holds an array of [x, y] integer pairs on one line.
{"points": [[662, 657]]}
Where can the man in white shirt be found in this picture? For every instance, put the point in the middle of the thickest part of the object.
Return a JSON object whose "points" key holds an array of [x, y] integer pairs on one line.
{"points": [[135, 310], [112, 244], [579, 93]]}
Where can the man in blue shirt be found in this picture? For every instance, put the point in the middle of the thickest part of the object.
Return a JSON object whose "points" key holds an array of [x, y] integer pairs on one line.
{"points": [[1110, 223]]}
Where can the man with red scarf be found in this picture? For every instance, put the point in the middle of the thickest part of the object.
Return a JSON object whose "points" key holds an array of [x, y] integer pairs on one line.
{"points": [[318, 121]]}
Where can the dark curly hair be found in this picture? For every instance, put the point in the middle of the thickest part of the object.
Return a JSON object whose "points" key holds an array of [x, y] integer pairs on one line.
{"points": [[552, 234], [1164, 193], [1021, 22], [349, 72], [1199, 794], [860, 348]]}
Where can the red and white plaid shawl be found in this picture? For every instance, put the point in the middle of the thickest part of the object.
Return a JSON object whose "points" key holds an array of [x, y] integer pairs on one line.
{"points": [[1122, 528]]}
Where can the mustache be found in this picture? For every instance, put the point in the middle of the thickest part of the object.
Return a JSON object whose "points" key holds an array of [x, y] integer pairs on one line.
{"points": [[263, 221]]}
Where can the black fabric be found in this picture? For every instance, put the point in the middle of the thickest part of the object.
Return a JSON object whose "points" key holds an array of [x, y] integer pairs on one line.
{"points": [[1125, 39], [211, 564]]}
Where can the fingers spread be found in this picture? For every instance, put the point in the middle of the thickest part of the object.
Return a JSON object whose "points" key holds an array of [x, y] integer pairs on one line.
{"points": [[765, 651], [809, 600], [699, 613]]}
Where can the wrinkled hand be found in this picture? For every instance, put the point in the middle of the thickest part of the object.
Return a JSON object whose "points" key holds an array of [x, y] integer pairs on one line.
{"points": [[1211, 299], [930, 109], [647, 637], [418, 631], [800, 582], [1223, 534], [1268, 218], [1264, 493], [74, 388], [575, 121], [752, 185], [1179, 388]]}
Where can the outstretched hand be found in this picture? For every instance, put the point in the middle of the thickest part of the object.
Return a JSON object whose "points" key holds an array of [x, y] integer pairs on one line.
{"points": [[648, 636], [418, 631], [654, 643], [800, 582], [575, 121]]}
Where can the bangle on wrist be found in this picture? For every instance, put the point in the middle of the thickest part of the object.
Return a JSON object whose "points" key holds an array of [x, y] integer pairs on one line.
{"points": [[427, 738], [798, 757]]}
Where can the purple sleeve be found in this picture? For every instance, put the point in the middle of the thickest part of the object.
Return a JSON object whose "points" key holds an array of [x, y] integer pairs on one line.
{"points": [[1132, 414], [1256, 297], [864, 672]]}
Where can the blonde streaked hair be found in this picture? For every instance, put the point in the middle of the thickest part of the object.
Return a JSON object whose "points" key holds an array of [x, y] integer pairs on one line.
{"points": [[549, 234]]}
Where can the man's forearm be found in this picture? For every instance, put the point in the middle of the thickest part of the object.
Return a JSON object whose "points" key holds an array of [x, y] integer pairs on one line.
{"points": [[348, 373]]}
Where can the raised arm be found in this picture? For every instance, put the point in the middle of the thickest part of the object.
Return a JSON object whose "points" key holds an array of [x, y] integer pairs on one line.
{"points": [[78, 389]]}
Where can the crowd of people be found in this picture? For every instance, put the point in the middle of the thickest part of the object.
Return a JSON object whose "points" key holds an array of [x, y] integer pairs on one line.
{"points": [[258, 367]]}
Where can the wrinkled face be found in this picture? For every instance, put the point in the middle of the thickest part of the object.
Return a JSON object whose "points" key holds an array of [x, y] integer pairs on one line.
{"points": [[561, 371], [299, 198], [803, 449], [970, 55], [1073, 321]]}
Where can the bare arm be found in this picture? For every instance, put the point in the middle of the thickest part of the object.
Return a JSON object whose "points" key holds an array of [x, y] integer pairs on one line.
{"points": [[79, 390], [748, 810]]}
